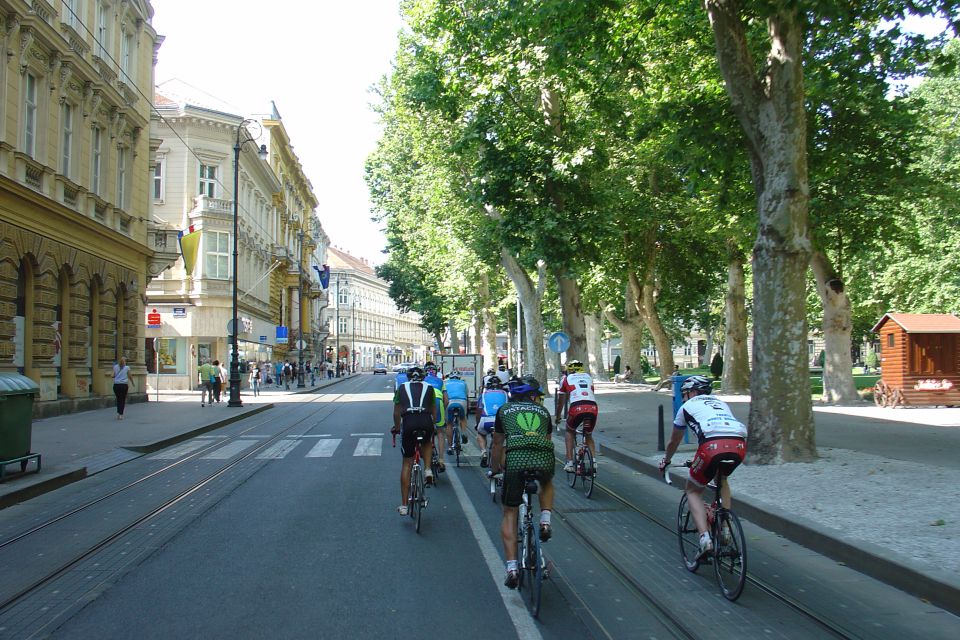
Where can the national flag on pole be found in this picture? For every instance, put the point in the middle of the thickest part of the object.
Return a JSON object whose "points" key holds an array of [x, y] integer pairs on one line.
{"points": [[323, 274], [189, 240]]}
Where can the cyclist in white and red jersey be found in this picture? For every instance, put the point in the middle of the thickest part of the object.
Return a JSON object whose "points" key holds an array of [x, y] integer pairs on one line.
{"points": [[720, 437], [582, 411]]}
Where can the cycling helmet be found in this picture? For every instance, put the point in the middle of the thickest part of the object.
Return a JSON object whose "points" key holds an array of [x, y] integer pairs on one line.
{"points": [[430, 367], [453, 375], [574, 366], [415, 374], [491, 372], [697, 383], [493, 383], [525, 387]]}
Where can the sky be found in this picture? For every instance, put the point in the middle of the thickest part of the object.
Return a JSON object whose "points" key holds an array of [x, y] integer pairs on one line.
{"points": [[317, 62]]}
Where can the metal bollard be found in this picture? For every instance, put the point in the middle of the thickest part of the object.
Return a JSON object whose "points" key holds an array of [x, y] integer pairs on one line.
{"points": [[660, 442]]}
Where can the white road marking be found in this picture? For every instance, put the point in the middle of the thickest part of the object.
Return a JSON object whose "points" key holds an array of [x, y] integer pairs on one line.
{"points": [[180, 450], [369, 447], [230, 449], [360, 435], [324, 448], [278, 450], [519, 614]]}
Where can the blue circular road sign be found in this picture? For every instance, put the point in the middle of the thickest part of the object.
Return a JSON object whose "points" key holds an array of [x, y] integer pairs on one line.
{"points": [[558, 342]]}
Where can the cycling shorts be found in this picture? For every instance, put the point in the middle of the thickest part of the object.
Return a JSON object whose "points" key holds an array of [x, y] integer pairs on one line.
{"points": [[440, 414], [410, 427], [485, 426], [540, 461], [711, 453], [585, 413], [456, 403]]}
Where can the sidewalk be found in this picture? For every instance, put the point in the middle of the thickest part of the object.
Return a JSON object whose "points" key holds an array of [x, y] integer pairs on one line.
{"points": [[881, 498], [76, 445]]}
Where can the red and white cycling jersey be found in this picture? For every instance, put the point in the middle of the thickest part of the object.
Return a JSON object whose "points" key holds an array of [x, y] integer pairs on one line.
{"points": [[578, 387], [709, 417]]}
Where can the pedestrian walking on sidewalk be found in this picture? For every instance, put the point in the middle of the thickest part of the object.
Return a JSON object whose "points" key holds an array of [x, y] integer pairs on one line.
{"points": [[121, 385], [207, 375], [217, 381], [287, 375], [279, 372], [255, 380]]}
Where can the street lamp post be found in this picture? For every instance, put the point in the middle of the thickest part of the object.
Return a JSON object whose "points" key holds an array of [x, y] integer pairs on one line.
{"points": [[234, 400], [336, 363], [300, 381]]}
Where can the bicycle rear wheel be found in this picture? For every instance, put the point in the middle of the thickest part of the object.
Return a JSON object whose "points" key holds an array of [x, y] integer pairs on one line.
{"points": [[730, 555], [688, 536], [588, 470], [457, 447], [572, 475], [421, 497], [413, 496], [534, 570], [435, 464]]}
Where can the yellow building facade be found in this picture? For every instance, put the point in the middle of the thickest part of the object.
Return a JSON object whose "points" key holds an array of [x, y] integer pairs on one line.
{"points": [[75, 87]]}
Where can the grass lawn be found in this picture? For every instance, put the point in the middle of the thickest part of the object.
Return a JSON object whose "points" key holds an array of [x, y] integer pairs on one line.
{"points": [[863, 381]]}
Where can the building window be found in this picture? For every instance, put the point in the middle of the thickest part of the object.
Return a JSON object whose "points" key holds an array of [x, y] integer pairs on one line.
{"points": [[343, 325], [70, 15], [103, 30], [122, 177], [127, 47], [890, 340], [30, 115], [66, 142], [217, 255], [208, 180], [167, 355], [96, 159], [158, 171], [342, 297]]}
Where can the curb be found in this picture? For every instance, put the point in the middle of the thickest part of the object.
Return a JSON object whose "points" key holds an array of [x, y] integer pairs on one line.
{"points": [[38, 489], [150, 447], [889, 567]]}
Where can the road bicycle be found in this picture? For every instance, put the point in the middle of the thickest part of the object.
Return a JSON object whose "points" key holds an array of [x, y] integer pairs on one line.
{"points": [[729, 554], [435, 457], [531, 563], [458, 439], [584, 466], [417, 491]]}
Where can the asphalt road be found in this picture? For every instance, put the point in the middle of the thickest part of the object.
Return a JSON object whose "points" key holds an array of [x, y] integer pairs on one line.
{"points": [[302, 540]]}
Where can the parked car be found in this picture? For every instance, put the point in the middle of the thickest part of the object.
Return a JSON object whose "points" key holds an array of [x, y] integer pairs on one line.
{"points": [[380, 368], [403, 366]]}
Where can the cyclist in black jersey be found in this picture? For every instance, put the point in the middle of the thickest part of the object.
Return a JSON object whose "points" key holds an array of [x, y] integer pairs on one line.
{"points": [[521, 442]]}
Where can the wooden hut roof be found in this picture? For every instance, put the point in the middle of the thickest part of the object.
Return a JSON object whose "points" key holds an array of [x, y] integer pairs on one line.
{"points": [[923, 322]]}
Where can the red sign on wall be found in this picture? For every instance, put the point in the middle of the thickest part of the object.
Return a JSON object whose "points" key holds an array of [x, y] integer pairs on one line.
{"points": [[153, 319]]}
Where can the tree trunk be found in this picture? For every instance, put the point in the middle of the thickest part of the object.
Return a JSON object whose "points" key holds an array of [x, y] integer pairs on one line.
{"points": [[477, 346], [573, 322], [631, 332], [736, 365], [838, 384], [594, 325], [489, 333], [454, 338], [530, 297], [647, 306], [707, 349], [770, 109]]}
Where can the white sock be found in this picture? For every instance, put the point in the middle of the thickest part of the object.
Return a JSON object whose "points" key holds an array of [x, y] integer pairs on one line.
{"points": [[545, 516], [511, 565]]}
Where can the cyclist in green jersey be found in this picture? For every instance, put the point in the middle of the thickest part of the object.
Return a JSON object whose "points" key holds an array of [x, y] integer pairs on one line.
{"points": [[521, 442]]}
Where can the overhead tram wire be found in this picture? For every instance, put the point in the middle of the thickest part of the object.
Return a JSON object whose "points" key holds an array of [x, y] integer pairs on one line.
{"points": [[149, 100]]}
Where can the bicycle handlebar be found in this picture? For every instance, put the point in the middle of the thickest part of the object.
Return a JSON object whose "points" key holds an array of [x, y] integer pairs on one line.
{"points": [[666, 471]]}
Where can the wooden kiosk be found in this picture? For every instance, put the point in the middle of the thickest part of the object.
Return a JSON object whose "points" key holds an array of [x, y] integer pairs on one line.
{"points": [[919, 360]]}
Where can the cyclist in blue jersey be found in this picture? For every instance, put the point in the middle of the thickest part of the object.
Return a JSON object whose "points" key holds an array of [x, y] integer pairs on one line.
{"points": [[491, 399], [402, 377], [455, 395], [436, 382]]}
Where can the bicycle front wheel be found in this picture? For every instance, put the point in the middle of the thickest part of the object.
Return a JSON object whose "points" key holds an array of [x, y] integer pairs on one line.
{"points": [[730, 555], [688, 536], [588, 470]]}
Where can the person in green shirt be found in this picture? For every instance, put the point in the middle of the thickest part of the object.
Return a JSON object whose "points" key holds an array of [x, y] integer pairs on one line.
{"points": [[521, 443], [207, 374]]}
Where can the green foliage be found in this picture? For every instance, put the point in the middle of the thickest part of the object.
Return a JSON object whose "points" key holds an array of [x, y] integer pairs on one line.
{"points": [[646, 369], [821, 358], [716, 365], [872, 360]]}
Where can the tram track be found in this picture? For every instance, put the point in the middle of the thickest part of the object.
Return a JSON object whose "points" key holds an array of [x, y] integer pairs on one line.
{"points": [[663, 608], [194, 486]]}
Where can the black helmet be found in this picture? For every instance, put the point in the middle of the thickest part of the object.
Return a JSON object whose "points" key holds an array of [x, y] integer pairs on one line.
{"points": [[415, 374], [453, 375], [493, 383], [525, 387], [697, 383], [491, 372]]}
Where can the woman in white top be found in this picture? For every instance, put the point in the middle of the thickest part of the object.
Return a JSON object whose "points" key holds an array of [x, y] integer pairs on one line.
{"points": [[121, 385]]}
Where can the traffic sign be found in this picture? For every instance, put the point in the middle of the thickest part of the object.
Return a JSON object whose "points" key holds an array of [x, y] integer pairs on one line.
{"points": [[301, 344], [558, 342]]}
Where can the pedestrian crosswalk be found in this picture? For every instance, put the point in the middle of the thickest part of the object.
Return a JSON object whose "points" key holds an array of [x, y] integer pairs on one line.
{"points": [[307, 446]]}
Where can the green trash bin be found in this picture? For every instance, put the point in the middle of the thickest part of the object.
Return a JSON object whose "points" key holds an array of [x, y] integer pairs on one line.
{"points": [[16, 415]]}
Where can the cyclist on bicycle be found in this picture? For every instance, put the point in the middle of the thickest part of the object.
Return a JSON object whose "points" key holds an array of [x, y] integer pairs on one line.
{"points": [[577, 387], [401, 378], [720, 437], [435, 381], [455, 395], [521, 443], [491, 399], [413, 410]]}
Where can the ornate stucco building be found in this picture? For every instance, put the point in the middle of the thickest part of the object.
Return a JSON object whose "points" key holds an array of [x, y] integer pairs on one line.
{"points": [[365, 324], [280, 239], [75, 98]]}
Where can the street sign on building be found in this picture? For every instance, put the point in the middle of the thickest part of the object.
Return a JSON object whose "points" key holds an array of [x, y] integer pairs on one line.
{"points": [[179, 312], [153, 320], [282, 335]]}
